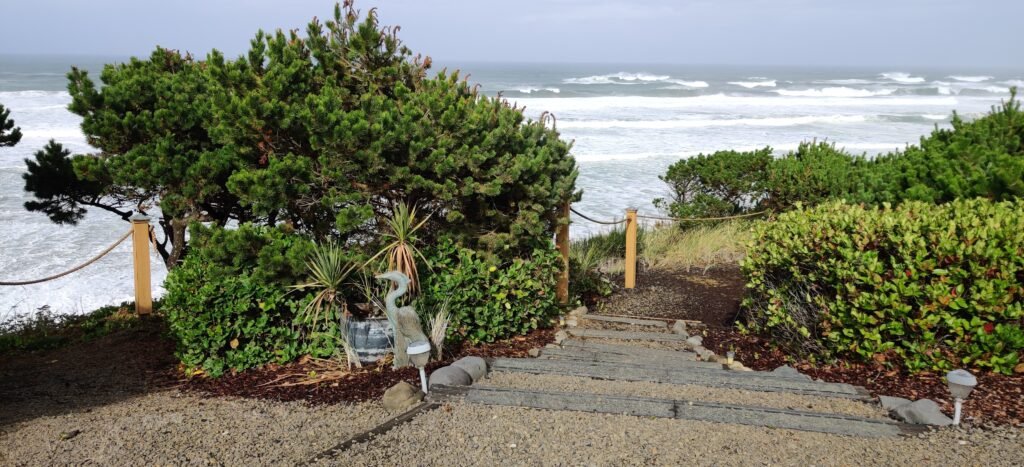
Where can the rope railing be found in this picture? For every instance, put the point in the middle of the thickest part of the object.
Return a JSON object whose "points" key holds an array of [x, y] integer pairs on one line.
{"points": [[672, 219], [74, 269], [574, 211]]}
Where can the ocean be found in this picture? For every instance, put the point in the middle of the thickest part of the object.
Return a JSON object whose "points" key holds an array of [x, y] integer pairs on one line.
{"points": [[628, 124]]}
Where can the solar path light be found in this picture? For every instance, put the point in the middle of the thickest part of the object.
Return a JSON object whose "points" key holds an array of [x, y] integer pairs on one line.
{"points": [[961, 383], [419, 355]]}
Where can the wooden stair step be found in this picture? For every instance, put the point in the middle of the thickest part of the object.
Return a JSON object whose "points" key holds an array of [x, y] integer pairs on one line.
{"points": [[626, 335], [621, 320], [678, 409], [683, 360], [749, 380]]}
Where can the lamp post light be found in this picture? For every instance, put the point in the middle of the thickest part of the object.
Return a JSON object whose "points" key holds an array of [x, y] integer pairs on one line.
{"points": [[961, 383], [419, 355]]}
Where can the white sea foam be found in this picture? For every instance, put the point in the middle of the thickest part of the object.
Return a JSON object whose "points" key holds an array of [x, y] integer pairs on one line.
{"points": [[901, 77], [621, 77], [835, 92], [716, 122], [1014, 82], [970, 79], [724, 103], [529, 90], [755, 84], [935, 116], [848, 81], [689, 84]]}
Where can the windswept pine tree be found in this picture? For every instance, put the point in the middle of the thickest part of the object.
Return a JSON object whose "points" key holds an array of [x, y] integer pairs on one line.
{"points": [[323, 132], [9, 134]]}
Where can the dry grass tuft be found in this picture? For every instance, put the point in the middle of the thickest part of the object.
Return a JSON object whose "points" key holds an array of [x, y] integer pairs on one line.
{"points": [[669, 247]]}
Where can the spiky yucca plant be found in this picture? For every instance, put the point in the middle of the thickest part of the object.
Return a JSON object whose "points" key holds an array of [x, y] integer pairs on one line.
{"points": [[328, 270], [401, 251]]}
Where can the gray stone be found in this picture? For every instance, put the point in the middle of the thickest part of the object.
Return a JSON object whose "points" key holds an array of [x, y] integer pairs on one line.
{"points": [[892, 403], [735, 366], [578, 311], [534, 352], [449, 376], [401, 396], [695, 341], [679, 327], [922, 412], [786, 370], [560, 336], [571, 322], [703, 353], [475, 366]]}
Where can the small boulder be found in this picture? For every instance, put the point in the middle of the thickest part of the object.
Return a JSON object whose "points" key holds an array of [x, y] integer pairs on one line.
{"points": [[534, 352], [560, 336], [475, 366], [679, 327], [922, 412], [695, 341], [571, 322], [789, 372], [892, 403], [703, 353], [578, 311], [735, 366], [401, 396], [449, 376]]}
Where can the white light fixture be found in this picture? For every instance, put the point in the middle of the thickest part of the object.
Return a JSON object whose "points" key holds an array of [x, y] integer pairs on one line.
{"points": [[419, 355], [729, 356], [961, 383]]}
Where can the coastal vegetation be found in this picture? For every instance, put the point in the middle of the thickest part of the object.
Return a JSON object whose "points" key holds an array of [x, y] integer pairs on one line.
{"points": [[9, 134], [911, 258], [338, 139]]}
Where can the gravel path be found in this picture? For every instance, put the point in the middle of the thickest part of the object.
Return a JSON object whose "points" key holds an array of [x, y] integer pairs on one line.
{"points": [[170, 428], [463, 434], [779, 400]]}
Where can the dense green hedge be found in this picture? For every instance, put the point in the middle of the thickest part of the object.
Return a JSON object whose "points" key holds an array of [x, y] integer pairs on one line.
{"points": [[228, 305], [490, 298], [931, 286]]}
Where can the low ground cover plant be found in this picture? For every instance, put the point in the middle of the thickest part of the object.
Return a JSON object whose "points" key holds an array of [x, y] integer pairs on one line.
{"points": [[931, 287]]}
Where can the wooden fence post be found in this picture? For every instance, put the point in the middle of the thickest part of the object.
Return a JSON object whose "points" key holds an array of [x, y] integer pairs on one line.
{"points": [[562, 239], [631, 248], [140, 249]]}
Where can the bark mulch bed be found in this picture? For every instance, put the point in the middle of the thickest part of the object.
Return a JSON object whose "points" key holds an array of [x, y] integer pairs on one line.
{"points": [[360, 385], [998, 399]]}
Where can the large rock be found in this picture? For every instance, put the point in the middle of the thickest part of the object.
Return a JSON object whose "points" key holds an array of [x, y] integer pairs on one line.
{"points": [[401, 396], [475, 366], [578, 311], [788, 371], [679, 327], [922, 412], [449, 376], [703, 353], [892, 403], [695, 341]]}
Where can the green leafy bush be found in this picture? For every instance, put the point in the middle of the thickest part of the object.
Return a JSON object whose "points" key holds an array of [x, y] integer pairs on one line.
{"points": [[490, 298], [719, 184], [228, 305], [814, 173], [930, 286]]}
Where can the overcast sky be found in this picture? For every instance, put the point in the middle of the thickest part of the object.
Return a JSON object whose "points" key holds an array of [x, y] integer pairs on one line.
{"points": [[761, 32]]}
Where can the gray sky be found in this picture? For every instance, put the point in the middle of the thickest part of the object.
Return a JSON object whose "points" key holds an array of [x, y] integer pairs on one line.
{"points": [[762, 32]]}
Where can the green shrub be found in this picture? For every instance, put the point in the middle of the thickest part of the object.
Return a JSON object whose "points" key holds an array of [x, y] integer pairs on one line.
{"points": [[586, 281], [228, 305], [814, 173], [719, 184], [979, 158], [46, 329], [490, 298], [928, 286]]}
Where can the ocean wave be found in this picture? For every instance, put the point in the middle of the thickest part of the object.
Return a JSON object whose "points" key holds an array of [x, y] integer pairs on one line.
{"points": [[849, 81], [530, 90], [935, 116], [754, 84], [835, 92], [33, 94], [970, 79], [706, 123], [688, 84], [901, 77], [621, 77], [724, 102], [1014, 82]]}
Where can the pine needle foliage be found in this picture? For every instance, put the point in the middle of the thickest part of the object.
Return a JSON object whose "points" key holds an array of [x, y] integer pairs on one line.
{"points": [[9, 134]]}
